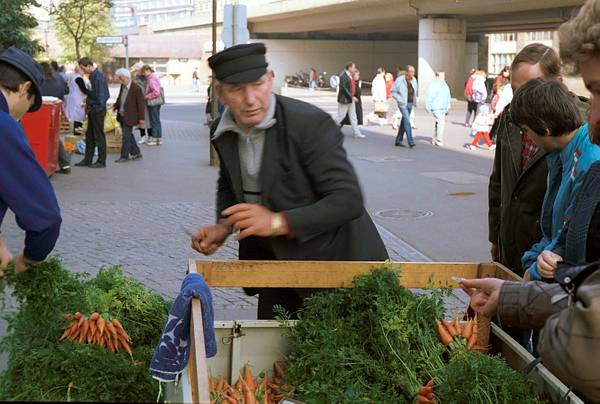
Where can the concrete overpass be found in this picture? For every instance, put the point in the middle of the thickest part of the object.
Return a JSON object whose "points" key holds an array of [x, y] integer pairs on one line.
{"points": [[432, 34]]}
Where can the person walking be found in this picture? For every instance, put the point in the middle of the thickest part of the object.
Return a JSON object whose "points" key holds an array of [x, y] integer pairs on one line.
{"points": [[153, 93], [471, 105], [347, 99], [285, 181], [392, 110], [75, 100], [195, 80], [358, 103], [96, 100], [130, 107], [145, 129], [405, 92], [379, 98], [24, 186], [313, 79], [482, 125], [438, 103]]}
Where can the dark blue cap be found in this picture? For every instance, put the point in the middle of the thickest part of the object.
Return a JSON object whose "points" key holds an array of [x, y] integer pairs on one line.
{"points": [[243, 63], [30, 68]]}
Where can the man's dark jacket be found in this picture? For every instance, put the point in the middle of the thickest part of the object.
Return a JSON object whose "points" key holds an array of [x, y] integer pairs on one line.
{"points": [[345, 90], [516, 193], [135, 105], [306, 175]]}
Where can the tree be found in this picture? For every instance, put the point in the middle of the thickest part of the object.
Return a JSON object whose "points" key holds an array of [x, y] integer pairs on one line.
{"points": [[16, 24], [78, 23]]}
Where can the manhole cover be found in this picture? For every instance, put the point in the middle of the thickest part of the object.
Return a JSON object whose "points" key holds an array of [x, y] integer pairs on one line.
{"points": [[403, 214]]}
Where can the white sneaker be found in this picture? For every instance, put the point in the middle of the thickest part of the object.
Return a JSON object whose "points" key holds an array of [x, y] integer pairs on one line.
{"points": [[492, 147], [142, 140], [359, 136], [152, 143], [471, 147], [437, 143]]}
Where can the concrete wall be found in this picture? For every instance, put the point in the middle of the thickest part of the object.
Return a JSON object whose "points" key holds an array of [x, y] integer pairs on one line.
{"points": [[290, 56]]}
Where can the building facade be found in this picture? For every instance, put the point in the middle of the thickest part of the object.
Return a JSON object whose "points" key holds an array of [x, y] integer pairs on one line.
{"points": [[503, 46]]}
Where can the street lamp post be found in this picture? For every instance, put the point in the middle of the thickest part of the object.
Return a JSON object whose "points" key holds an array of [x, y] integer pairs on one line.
{"points": [[214, 158]]}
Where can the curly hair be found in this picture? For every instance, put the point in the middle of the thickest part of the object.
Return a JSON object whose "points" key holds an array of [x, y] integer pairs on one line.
{"points": [[579, 38]]}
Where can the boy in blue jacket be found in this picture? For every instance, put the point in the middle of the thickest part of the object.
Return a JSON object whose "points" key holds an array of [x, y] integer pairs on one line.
{"points": [[548, 115], [438, 103], [24, 187]]}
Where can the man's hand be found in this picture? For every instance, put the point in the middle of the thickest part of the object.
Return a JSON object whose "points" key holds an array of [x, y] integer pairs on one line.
{"points": [[251, 220], [208, 239], [23, 263], [5, 256], [495, 252], [354, 100], [484, 294], [141, 123], [547, 262]]}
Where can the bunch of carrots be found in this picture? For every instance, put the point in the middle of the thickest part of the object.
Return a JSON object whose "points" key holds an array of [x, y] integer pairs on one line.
{"points": [[426, 394], [452, 334], [248, 390], [96, 330]]}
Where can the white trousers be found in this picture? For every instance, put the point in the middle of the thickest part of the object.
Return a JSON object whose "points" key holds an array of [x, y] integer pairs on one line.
{"points": [[350, 110]]}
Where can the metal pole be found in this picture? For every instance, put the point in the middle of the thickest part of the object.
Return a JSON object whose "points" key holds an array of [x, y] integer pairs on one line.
{"points": [[127, 52], [214, 158]]}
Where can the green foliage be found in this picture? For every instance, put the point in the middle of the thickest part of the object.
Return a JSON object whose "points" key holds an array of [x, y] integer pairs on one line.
{"points": [[371, 343], [77, 24], [472, 377], [16, 24], [378, 343], [42, 368]]}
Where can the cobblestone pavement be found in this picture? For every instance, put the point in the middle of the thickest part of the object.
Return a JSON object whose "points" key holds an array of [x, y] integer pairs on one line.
{"points": [[149, 238]]}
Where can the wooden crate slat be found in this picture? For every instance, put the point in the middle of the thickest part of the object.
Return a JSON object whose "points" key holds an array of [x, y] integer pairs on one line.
{"points": [[325, 274], [198, 371]]}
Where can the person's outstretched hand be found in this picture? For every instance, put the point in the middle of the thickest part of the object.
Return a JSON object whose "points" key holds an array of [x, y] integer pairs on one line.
{"points": [[484, 294]]}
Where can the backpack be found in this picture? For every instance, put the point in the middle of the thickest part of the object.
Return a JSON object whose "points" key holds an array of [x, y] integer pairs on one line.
{"points": [[469, 87]]}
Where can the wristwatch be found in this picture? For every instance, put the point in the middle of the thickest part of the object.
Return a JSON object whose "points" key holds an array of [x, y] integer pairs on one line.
{"points": [[277, 225]]}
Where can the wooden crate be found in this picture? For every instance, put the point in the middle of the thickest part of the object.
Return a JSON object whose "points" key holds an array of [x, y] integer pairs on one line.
{"points": [[334, 274]]}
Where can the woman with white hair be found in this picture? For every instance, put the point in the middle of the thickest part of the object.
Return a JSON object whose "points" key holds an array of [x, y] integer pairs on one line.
{"points": [[141, 80], [130, 107]]}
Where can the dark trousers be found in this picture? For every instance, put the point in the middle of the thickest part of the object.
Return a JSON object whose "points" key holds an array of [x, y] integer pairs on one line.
{"points": [[471, 110], [129, 145], [154, 113], [405, 125], [95, 137], [64, 158]]}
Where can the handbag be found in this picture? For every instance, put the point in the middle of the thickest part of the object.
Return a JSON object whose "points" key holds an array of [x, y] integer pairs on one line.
{"points": [[160, 100]]}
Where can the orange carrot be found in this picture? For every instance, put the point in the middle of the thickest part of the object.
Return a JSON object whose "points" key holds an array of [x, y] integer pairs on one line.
{"points": [[84, 331], [457, 326], [101, 324], [248, 378], [429, 383], [111, 328], [249, 396], [443, 333], [424, 390], [66, 333], [473, 339], [94, 316], [423, 400], [126, 347], [78, 315], [468, 330], [120, 329], [238, 385], [220, 385], [450, 328]]}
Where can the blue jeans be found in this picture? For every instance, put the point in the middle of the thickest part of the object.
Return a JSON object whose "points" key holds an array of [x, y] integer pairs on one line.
{"points": [[405, 125], [154, 113]]}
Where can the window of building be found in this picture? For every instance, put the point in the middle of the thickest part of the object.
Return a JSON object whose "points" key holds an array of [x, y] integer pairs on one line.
{"points": [[499, 60], [159, 65]]}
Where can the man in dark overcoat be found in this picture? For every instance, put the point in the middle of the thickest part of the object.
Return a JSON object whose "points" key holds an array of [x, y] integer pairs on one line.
{"points": [[285, 182]]}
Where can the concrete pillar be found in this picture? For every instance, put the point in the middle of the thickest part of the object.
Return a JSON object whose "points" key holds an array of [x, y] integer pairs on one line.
{"points": [[484, 52], [442, 43]]}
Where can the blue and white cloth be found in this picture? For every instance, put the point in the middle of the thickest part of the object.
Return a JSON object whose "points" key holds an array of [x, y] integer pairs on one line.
{"points": [[172, 353]]}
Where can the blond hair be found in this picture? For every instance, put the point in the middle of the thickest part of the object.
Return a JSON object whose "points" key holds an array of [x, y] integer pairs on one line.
{"points": [[579, 38]]}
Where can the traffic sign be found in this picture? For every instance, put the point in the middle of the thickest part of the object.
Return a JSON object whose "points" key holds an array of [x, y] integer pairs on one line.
{"points": [[109, 40]]}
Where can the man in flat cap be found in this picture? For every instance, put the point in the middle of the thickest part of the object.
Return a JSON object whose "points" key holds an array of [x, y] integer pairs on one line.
{"points": [[285, 182], [24, 187]]}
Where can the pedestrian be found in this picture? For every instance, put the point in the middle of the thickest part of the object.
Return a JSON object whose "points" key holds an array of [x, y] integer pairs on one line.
{"points": [[358, 103], [138, 78], [208, 109], [502, 98], [154, 99], [480, 92], [195, 80], [501, 79], [131, 107], [518, 180], [75, 100], [547, 113], [96, 98], [285, 181], [24, 186], [405, 92], [468, 91], [438, 103], [59, 74], [347, 99], [313, 79], [482, 125], [570, 327], [379, 98], [53, 86], [392, 110]]}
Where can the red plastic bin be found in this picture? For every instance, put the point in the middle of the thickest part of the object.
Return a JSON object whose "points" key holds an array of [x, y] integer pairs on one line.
{"points": [[42, 129]]}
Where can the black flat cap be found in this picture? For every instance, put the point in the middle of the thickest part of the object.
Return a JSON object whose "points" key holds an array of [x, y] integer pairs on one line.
{"points": [[30, 68], [239, 64]]}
